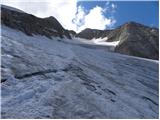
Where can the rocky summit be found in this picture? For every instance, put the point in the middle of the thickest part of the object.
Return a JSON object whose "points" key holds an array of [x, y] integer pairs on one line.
{"points": [[46, 75], [93, 33], [30, 24], [135, 39]]}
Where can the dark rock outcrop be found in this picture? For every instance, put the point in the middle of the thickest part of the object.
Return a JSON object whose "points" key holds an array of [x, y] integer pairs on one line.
{"points": [[31, 24], [72, 33], [93, 33], [135, 39], [138, 40]]}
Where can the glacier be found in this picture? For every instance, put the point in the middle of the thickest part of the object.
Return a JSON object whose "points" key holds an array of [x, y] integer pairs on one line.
{"points": [[62, 78]]}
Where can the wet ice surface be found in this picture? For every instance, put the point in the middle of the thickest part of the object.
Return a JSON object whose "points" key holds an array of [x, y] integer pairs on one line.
{"points": [[43, 78]]}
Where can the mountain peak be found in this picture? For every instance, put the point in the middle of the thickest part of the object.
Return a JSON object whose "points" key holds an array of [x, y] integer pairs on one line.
{"points": [[11, 8], [132, 23], [30, 24], [132, 38], [50, 18]]}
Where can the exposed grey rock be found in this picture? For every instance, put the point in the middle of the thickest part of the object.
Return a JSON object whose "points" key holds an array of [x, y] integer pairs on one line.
{"points": [[31, 24], [93, 33], [139, 40], [135, 39], [72, 32]]}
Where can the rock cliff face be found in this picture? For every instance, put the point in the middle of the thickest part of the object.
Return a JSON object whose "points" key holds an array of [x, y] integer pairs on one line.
{"points": [[31, 24], [72, 33], [93, 33], [138, 40], [135, 39]]}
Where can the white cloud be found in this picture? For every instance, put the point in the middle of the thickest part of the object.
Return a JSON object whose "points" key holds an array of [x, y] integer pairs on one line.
{"points": [[67, 12], [96, 19], [113, 5], [78, 21]]}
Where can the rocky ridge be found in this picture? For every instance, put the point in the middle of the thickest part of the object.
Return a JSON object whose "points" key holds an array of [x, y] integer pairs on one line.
{"points": [[32, 25], [135, 39]]}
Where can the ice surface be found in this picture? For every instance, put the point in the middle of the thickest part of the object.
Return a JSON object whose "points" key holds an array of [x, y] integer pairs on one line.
{"points": [[61, 78]]}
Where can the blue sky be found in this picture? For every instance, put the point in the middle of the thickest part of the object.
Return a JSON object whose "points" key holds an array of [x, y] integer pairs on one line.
{"points": [[145, 12]]}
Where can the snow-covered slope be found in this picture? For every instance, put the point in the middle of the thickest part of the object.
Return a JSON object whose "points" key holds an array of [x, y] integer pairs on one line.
{"points": [[101, 42], [44, 78]]}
